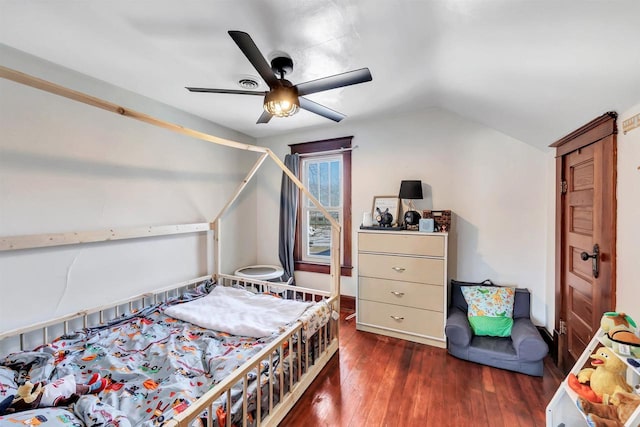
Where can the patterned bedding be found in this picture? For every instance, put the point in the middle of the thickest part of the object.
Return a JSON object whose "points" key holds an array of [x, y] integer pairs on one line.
{"points": [[156, 365]]}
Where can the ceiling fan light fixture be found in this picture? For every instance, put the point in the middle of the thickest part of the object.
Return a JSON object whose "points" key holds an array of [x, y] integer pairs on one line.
{"points": [[282, 102], [282, 98]]}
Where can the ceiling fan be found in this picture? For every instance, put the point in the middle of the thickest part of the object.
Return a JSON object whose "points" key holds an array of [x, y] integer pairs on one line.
{"points": [[283, 99]]}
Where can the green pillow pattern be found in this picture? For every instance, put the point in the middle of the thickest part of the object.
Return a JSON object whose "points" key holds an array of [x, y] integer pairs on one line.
{"points": [[490, 309]]}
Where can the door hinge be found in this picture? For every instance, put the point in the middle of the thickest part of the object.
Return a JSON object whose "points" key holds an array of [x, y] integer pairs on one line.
{"points": [[563, 327], [563, 187]]}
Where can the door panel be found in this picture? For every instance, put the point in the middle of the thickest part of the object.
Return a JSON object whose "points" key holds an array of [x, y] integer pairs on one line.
{"points": [[582, 174], [582, 216], [581, 270], [580, 201]]}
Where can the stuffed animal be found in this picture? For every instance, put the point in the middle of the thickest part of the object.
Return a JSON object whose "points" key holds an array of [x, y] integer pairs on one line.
{"points": [[607, 375], [582, 390], [613, 320], [60, 392], [614, 415], [384, 218], [621, 333]]}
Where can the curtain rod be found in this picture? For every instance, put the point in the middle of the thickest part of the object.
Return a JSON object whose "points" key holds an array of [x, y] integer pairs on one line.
{"points": [[340, 150]]}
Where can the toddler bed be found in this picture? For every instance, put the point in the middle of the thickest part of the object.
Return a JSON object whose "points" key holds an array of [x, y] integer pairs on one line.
{"points": [[157, 369], [161, 370]]}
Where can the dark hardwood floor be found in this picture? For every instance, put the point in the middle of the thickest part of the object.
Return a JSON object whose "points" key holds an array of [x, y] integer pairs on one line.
{"points": [[380, 381]]}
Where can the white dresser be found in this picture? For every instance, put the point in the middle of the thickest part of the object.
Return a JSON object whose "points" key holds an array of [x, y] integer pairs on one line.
{"points": [[402, 285]]}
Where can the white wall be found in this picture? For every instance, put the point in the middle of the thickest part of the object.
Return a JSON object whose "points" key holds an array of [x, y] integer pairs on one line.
{"points": [[628, 249], [65, 166], [494, 184]]}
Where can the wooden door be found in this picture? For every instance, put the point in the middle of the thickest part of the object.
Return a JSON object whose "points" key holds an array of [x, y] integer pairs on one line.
{"points": [[585, 235]]}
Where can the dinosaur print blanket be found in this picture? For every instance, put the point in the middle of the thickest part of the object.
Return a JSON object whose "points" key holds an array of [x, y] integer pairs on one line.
{"points": [[156, 365]]}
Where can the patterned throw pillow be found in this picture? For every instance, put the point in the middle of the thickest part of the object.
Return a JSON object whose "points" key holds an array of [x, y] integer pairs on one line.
{"points": [[490, 309]]}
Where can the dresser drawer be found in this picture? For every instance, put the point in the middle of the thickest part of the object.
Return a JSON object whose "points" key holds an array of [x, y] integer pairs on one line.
{"points": [[405, 319], [403, 244], [417, 295], [402, 268]]}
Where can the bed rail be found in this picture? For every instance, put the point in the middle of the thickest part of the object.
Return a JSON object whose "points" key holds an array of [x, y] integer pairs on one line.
{"points": [[91, 317], [263, 286], [301, 360]]}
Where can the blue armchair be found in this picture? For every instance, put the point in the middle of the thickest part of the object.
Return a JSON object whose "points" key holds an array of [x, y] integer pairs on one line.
{"points": [[523, 352]]}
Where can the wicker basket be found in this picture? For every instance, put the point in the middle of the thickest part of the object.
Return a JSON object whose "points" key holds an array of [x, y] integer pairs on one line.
{"points": [[441, 220]]}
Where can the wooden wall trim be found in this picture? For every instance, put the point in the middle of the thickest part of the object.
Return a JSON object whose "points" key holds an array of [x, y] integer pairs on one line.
{"points": [[312, 267], [548, 338], [558, 244], [347, 302], [610, 215], [321, 145], [593, 131]]}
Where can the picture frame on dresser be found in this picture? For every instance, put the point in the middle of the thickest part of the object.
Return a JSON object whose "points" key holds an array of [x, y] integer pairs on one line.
{"points": [[386, 202]]}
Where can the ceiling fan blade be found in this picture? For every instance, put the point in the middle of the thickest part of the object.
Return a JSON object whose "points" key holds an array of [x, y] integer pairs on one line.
{"points": [[253, 54], [264, 118], [232, 91], [321, 110], [332, 82]]}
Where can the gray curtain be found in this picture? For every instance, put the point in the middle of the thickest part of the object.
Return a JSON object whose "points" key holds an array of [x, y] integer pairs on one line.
{"points": [[289, 195]]}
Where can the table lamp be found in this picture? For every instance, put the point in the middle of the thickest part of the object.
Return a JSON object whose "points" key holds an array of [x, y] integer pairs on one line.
{"points": [[411, 190]]}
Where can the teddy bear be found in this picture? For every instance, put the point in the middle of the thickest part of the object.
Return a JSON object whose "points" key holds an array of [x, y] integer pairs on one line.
{"points": [[60, 392], [608, 374], [622, 405]]}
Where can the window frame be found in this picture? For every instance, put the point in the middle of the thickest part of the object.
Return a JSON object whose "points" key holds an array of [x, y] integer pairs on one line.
{"points": [[319, 147]]}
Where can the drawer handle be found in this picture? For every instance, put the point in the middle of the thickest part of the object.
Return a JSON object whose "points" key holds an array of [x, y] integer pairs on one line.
{"points": [[397, 317], [399, 269], [398, 294]]}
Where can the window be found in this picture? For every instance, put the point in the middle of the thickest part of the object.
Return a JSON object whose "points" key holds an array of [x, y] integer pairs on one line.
{"points": [[326, 171], [322, 176]]}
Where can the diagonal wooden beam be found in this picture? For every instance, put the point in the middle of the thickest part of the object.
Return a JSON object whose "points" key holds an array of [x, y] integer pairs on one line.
{"points": [[26, 79], [243, 184]]}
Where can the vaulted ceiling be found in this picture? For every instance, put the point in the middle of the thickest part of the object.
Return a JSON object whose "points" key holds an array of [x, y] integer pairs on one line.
{"points": [[533, 69]]}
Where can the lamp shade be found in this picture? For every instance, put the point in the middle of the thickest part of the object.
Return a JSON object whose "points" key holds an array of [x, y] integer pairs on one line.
{"points": [[411, 189], [282, 101]]}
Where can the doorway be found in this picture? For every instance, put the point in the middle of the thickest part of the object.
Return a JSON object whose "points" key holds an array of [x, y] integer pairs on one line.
{"points": [[585, 235]]}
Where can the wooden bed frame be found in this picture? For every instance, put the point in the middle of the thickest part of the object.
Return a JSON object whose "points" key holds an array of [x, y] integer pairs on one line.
{"points": [[298, 381]]}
